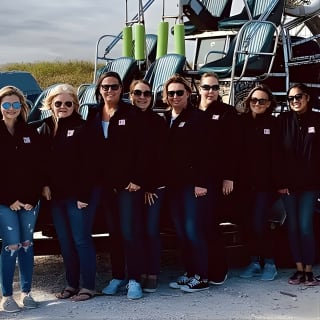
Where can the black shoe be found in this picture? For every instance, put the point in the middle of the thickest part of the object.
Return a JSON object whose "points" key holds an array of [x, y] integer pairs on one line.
{"points": [[195, 284], [297, 278], [310, 280]]}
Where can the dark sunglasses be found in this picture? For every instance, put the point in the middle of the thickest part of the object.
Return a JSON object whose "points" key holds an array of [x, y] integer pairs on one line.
{"points": [[15, 105], [139, 93], [297, 97], [59, 104], [261, 102], [113, 87], [206, 87], [179, 93]]}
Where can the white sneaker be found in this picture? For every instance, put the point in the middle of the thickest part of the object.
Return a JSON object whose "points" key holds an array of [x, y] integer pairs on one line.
{"points": [[134, 290], [252, 270], [114, 286], [181, 281]]}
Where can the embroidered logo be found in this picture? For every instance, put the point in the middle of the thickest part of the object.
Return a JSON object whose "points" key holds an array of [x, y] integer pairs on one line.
{"points": [[266, 131], [70, 133], [26, 140], [311, 130], [122, 122], [181, 124], [215, 117]]}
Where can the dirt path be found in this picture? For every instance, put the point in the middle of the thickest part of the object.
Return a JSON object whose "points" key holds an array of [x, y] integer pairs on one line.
{"points": [[237, 299]]}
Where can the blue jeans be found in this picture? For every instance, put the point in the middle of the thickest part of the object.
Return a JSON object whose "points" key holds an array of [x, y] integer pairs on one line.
{"points": [[74, 230], [151, 234], [300, 208], [16, 228], [262, 242], [190, 218], [125, 223]]}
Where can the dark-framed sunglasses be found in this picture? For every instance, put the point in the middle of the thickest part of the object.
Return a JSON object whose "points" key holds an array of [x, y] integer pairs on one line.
{"points": [[15, 105], [207, 87], [139, 93], [58, 104], [296, 97], [179, 93], [260, 102], [113, 87]]}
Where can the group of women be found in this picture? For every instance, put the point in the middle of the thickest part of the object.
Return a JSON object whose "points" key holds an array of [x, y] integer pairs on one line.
{"points": [[131, 161]]}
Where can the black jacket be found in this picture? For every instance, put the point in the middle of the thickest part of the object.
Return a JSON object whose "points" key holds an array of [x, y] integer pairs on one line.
{"points": [[223, 135], [186, 149], [69, 160], [257, 151], [151, 154], [21, 163], [299, 151], [120, 151]]}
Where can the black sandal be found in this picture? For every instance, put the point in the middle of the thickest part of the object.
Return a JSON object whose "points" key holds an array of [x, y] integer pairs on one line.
{"points": [[67, 293]]}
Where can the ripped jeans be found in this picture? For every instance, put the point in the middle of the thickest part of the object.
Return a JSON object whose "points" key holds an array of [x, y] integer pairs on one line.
{"points": [[16, 229]]}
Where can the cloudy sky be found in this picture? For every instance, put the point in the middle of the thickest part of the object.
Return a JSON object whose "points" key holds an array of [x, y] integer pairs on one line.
{"points": [[33, 30]]}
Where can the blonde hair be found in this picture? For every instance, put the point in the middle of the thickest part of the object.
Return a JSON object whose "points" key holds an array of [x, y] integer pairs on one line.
{"points": [[55, 91], [10, 91]]}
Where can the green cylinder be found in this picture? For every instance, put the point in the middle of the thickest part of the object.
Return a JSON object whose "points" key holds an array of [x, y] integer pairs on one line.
{"points": [[179, 43], [162, 43], [127, 50], [140, 42]]}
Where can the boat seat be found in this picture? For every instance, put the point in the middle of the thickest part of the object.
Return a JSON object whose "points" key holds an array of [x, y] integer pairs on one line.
{"points": [[204, 15], [126, 67], [268, 10], [35, 112], [161, 70], [250, 53]]}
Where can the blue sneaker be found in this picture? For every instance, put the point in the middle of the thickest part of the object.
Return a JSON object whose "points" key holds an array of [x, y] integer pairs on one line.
{"points": [[114, 286], [252, 270], [134, 290], [269, 272]]}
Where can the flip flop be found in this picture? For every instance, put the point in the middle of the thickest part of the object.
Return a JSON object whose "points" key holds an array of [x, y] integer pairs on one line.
{"points": [[82, 296], [67, 293]]}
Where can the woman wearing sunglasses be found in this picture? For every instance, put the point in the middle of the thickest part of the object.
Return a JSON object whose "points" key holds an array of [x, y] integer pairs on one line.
{"points": [[153, 137], [299, 178], [114, 124], [256, 187], [20, 186], [222, 134], [187, 183], [72, 189]]}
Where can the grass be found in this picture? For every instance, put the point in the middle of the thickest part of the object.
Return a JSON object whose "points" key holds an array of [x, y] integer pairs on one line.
{"points": [[48, 73]]}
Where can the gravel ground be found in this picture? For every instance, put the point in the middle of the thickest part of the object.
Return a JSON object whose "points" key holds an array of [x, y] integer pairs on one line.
{"points": [[236, 299]]}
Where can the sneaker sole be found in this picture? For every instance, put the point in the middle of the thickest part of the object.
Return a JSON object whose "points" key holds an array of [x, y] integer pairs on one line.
{"points": [[7, 311], [149, 290], [269, 279], [135, 298], [175, 286], [251, 276], [189, 290]]}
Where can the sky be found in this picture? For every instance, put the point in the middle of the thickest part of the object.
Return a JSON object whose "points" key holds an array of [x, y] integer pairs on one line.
{"points": [[62, 30]]}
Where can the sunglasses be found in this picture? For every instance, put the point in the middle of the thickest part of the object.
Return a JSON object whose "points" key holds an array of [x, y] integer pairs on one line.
{"points": [[179, 93], [297, 97], [14, 105], [113, 87], [59, 104], [139, 93], [206, 87], [261, 102]]}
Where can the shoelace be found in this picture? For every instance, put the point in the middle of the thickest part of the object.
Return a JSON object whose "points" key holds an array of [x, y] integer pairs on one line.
{"points": [[193, 282]]}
